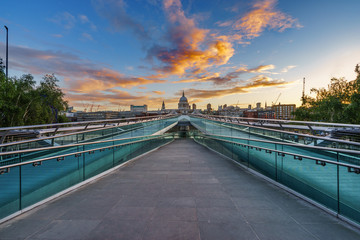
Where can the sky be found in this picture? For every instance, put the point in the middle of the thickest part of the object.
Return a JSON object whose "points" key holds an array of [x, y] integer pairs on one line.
{"points": [[110, 54]]}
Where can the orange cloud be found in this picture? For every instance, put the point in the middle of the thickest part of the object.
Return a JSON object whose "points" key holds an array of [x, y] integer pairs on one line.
{"points": [[159, 92], [256, 82], [112, 99], [105, 78], [264, 15], [79, 75], [262, 68], [229, 77], [193, 49]]}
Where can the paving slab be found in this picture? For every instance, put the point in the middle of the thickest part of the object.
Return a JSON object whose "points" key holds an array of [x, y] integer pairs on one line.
{"points": [[181, 191]]}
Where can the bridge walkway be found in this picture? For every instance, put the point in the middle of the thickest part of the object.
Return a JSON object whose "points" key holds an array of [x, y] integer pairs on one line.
{"points": [[181, 191]]}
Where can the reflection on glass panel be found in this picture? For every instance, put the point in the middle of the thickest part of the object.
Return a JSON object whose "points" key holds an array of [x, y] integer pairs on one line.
{"points": [[43, 179], [10, 191], [349, 193]]}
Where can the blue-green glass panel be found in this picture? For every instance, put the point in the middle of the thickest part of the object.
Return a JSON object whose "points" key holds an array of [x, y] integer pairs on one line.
{"points": [[349, 193], [98, 161], [10, 192], [316, 180], [262, 160], [52, 176]]}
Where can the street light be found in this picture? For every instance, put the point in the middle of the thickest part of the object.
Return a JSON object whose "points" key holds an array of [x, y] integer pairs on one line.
{"points": [[7, 51]]}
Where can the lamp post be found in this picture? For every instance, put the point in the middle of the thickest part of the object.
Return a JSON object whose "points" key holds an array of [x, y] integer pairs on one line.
{"points": [[7, 51]]}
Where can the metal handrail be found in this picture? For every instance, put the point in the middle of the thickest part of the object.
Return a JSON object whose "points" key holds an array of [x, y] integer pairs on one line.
{"points": [[288, 153], [80, 123], [79, 152], [69, 134], [69, 145], [340, 150], [291, 133], [284, 121]]}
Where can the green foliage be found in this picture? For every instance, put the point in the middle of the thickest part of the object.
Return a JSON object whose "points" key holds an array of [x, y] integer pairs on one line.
{"points": [[339, 103], [24, 103]]}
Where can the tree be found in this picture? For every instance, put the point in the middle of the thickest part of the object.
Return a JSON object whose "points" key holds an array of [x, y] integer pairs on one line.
{"points": [[352, 111], [22, 103], [339, 103], [52, 97]]}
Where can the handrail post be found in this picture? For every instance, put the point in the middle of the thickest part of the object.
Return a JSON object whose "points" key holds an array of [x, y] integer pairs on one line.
{"points": [[276, 165], [338, 184], [20, 185], [248, 154]]}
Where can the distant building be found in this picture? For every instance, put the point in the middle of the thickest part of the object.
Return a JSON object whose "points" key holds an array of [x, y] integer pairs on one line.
{"points": [[208, 107], [91, 116], [258, 105], [249, 106], [183, 105], [284, 111], [251, 114], [194, 106], [141, 109], [163, 106], [268, 114]]}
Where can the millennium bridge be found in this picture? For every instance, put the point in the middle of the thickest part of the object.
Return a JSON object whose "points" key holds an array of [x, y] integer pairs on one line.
{"points": [[180, 177]]}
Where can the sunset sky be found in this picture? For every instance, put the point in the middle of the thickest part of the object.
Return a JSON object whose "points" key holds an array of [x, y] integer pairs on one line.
{"points": [[115, 53]]}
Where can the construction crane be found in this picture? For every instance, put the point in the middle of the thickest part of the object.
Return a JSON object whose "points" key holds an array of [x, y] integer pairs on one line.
{"points": [[276, 99], [85, 106]]}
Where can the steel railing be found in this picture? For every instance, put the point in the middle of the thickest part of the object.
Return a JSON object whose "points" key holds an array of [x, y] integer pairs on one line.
{"points": [[270, 150], [128, 121], [31, 182], [53, 129], [223, 120], [249, 121], [148, 137], [329, 184]]}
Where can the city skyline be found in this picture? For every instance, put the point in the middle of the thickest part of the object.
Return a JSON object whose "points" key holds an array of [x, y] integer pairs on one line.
{"points": [[118, 53]]}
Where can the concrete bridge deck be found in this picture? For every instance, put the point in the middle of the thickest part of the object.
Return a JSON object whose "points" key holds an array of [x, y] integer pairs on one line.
{"points": [[181, 191]]}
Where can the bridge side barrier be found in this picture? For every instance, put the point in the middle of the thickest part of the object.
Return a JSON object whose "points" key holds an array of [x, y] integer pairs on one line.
{"points": [[334, 185], [224, 127], [28, 182], [109, 131]]}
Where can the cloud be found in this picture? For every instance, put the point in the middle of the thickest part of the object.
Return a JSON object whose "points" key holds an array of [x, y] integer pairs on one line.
{"points": [[159, 92], [85, 20], [188, 48], [114, 12], [259, 81], [287, 68], [106, 78], [230, 77], [262, 68], [80, 75], [111, 99], [57, 35], [87, 36], [263, 15], [65, 19]]}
